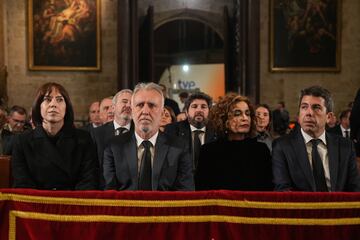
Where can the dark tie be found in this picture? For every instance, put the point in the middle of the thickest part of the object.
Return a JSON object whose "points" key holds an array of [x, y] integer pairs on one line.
{"points": [[145, 182], [120, 130], [197, 146], [318, 169], [347, 133]]}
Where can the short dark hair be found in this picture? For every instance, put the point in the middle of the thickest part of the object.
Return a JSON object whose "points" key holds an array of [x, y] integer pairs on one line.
{"points": [[20, 110], [318, 91], [46, 89], [198, 95], [344, 113]]}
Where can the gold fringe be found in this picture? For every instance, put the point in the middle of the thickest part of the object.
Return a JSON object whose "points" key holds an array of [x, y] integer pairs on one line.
{"points": [[178, 203]]}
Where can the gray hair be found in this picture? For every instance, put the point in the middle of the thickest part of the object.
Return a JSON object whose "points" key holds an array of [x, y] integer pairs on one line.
{"points": [[149, 86], [114, 99]]}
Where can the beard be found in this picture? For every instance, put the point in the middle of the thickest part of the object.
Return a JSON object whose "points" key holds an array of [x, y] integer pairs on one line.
{"points": [[197, 123]]}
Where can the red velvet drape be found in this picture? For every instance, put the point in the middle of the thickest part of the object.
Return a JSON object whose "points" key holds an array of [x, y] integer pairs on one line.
{"points": [[32, 214]]}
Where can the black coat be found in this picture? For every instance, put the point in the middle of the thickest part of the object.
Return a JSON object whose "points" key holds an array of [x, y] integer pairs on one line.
{"points": [[69, 163], [234, 165], [7, 141]]}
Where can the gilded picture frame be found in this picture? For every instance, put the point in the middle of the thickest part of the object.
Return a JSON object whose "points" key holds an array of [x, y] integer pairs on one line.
{"points": [[64, 35], [305, 35]]}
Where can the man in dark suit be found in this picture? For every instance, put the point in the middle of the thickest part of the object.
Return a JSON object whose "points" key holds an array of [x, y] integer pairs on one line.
{"points": [[343, 128], [195, 126], [311, 159], [147, 159], [94, 118], [121, 124]]}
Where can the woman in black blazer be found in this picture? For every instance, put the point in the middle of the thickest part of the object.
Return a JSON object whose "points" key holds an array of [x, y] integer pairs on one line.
{"points": [[55, 155], [236, 161]]}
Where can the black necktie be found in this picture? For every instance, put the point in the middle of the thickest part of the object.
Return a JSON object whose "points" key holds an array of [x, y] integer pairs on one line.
{"points": [[318, 169], [145, 182], [120, 130], [347, 133], [197, 146]]}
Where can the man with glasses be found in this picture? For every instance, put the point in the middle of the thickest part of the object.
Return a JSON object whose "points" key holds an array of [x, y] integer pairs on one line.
{"points": [[16, 119]]}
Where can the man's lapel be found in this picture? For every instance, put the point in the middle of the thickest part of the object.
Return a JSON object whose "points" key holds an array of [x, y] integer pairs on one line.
{"points": [[161, 149], [333, 153], [298, 145]]}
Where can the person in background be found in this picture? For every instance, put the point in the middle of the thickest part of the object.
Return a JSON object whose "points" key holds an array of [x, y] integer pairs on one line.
{"points": [[106, 110], [312, 159], [167, 117], [121, 104], [183, 97], [236, 160], [170, 102], [281, 119], [331, 122], [263, 124], [194, 130], [147, 159], [181, 117], [343, 128], [16, 119], [94, 117], [55, 155]]}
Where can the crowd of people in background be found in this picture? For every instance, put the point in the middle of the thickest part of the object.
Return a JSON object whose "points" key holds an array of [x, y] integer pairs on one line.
{"points": [[139, 139]]}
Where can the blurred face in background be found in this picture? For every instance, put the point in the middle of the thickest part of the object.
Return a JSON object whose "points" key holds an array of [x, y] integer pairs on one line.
{"points": [[17, 121], [122, 108], [106, 110], [262, 119], [94, 113], [165, 118]]}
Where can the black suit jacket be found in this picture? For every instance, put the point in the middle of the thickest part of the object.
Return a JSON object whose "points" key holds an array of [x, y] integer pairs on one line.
{"points": [[292, 170], [172, 166], [68, 164], [102, 136], [182, 129]]}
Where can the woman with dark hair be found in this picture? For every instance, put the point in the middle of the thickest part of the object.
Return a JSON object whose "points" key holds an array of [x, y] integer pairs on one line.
{"points": [[54, 155], [236, 161], [263, 123], [168, 116]]}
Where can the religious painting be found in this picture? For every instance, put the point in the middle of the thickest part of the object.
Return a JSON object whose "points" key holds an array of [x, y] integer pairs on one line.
{"points": [[305, 35], [64, 35]]}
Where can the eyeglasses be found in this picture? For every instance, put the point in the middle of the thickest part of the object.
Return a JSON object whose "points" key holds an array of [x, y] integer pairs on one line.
{"points": [[19, 122]]}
